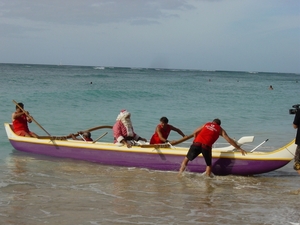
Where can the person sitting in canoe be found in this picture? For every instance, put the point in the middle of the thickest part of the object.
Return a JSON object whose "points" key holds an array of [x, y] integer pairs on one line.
{"points": [[86, 136], [162, 132], [123, 130], [20, 122]]}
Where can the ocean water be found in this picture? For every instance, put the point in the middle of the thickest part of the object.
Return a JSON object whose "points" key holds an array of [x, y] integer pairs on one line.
{"points": [[65, 99]]}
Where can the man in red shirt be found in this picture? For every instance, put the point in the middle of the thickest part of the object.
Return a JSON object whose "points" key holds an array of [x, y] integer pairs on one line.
{"points": [[19, 120], [162, 132], [205, 136]]}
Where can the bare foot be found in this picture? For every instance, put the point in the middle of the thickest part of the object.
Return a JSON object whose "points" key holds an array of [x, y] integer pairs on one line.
{"points": [[211, 175], [179, 174]]}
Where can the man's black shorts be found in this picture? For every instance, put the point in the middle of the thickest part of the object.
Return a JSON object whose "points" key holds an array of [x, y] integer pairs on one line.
{"points": [[197, 149]]}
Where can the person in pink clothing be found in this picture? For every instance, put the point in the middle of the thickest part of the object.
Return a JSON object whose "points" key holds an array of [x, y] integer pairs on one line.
{"points": [[123, 130]]}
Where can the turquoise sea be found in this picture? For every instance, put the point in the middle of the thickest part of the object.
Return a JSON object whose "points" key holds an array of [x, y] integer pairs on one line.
{"points": [[65, 99]]}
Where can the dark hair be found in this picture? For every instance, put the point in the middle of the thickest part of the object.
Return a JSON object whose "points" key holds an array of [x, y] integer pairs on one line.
{"points": [[87, 134], [217, 121], [164, 119], [21, 105]]}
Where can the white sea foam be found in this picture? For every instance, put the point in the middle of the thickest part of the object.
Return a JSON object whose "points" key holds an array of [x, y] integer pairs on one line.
{"points": [[99, 68]]}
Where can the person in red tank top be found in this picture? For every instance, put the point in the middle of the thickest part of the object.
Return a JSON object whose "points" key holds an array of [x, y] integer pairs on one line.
{"points": [[205, 136], [20, 120], [162, 132], [85, 135]]}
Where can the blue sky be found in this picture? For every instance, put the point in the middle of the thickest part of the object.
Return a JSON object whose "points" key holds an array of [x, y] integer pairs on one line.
{"points": [[234, 35]]}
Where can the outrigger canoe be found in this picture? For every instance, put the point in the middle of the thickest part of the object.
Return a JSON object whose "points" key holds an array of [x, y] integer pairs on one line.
{"points": [[225, 161]]}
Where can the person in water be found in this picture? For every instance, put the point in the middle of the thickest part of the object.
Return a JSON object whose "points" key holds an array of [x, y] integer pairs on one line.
{"points": [[205, 136], [162, 132], [20, 121], [123, 130]]}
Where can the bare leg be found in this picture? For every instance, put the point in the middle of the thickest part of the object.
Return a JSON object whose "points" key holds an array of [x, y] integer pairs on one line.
{"points": [[208, 171], [183, 165], [298, 171]]}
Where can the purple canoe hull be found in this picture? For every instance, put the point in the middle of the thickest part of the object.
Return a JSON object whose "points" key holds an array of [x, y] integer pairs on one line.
{"points": [[221, 166], [167, 159]]}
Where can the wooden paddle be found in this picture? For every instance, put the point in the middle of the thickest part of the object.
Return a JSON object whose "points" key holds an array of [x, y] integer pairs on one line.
{"points": [[54, 137], [25, 112], [97, 139], [155, 146], [166, 145], [183, 139]]}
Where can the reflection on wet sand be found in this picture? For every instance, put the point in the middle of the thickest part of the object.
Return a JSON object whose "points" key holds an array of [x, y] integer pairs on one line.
{"points": [[19, 165], [56, 191]]}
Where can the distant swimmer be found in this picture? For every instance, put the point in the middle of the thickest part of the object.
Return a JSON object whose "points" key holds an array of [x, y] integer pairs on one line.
{"points": [[271, 87]]}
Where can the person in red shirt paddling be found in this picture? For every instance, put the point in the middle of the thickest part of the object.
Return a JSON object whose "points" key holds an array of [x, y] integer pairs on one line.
{"points": [[205, 136], [20, 122], [162, 132]]}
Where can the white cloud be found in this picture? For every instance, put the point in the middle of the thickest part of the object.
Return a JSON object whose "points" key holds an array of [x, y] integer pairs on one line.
{"points": [[91, 12], [193, 34]]}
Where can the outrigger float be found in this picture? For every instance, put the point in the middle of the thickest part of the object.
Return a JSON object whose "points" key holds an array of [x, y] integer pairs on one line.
{"points": [[225, 161]]}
